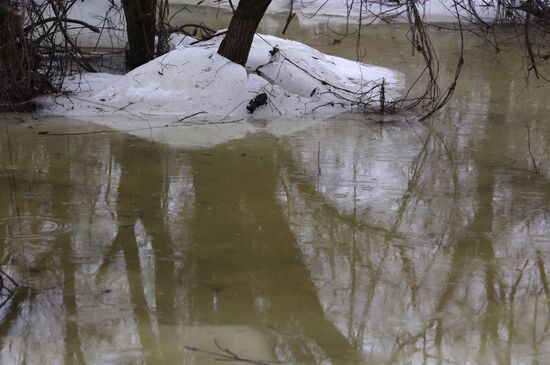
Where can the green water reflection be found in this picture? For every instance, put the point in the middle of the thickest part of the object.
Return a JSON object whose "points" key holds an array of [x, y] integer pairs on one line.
{"points": [[351, 242]]}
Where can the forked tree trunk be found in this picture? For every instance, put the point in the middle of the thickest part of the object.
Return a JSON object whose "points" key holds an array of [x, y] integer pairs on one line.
{"points": [[140, 25], [238, 39]]}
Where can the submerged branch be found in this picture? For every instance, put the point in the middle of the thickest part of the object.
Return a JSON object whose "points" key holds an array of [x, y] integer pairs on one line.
{"points": [[225, 354]]}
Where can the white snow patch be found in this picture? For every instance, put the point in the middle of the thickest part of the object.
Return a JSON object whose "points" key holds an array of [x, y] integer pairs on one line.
{"points": [[194, 86]]}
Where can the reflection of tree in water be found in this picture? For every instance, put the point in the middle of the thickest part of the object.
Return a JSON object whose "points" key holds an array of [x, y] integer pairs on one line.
{"points": [[241, 244], [36, 326], [453, 267], [149, 252], [443, 274], [78, 281], [247, 267]]}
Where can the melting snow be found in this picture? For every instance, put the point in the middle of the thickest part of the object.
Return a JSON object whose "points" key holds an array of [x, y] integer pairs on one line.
{"points": [[193, 85], [196, 80]]}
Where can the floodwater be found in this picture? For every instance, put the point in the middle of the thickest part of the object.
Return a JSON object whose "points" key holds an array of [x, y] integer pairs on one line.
{"points": [[358, 240]]}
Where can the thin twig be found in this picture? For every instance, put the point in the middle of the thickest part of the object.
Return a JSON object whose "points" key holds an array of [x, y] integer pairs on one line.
{"points": [[228, 355], [67, 20]]}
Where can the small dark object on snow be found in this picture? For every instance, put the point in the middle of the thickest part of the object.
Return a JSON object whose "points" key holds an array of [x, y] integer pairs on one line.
{"points": [[274, 51], [258, 101]]}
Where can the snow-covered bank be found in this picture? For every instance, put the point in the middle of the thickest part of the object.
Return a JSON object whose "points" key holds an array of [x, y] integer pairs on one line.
{"points": [[193, 85], [109, 18], [318, 10]]}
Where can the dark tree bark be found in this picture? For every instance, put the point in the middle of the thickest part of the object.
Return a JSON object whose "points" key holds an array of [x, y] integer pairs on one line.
{"points": [[238, 40], [20, 79], [140, 25]]}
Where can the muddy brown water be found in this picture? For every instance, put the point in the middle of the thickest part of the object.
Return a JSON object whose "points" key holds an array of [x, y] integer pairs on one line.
{"points": [[358, 240]]}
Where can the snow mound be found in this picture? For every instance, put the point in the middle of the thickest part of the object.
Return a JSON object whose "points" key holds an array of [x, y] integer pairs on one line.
{"points": [[194, 97], [195, 82]]}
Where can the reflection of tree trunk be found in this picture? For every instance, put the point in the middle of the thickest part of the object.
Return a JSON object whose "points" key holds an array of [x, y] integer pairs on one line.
{"points": [[126, 240], [247, 258], [140, 23], [73, 346], [240, 34], [140, 189]]}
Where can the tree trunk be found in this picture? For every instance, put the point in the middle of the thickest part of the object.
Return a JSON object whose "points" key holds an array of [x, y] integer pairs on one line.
{"points": [[140, 26], [238, 40]]}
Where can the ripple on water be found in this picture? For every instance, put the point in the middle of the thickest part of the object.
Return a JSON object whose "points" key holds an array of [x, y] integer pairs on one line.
{"points": [[33, 227]]}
